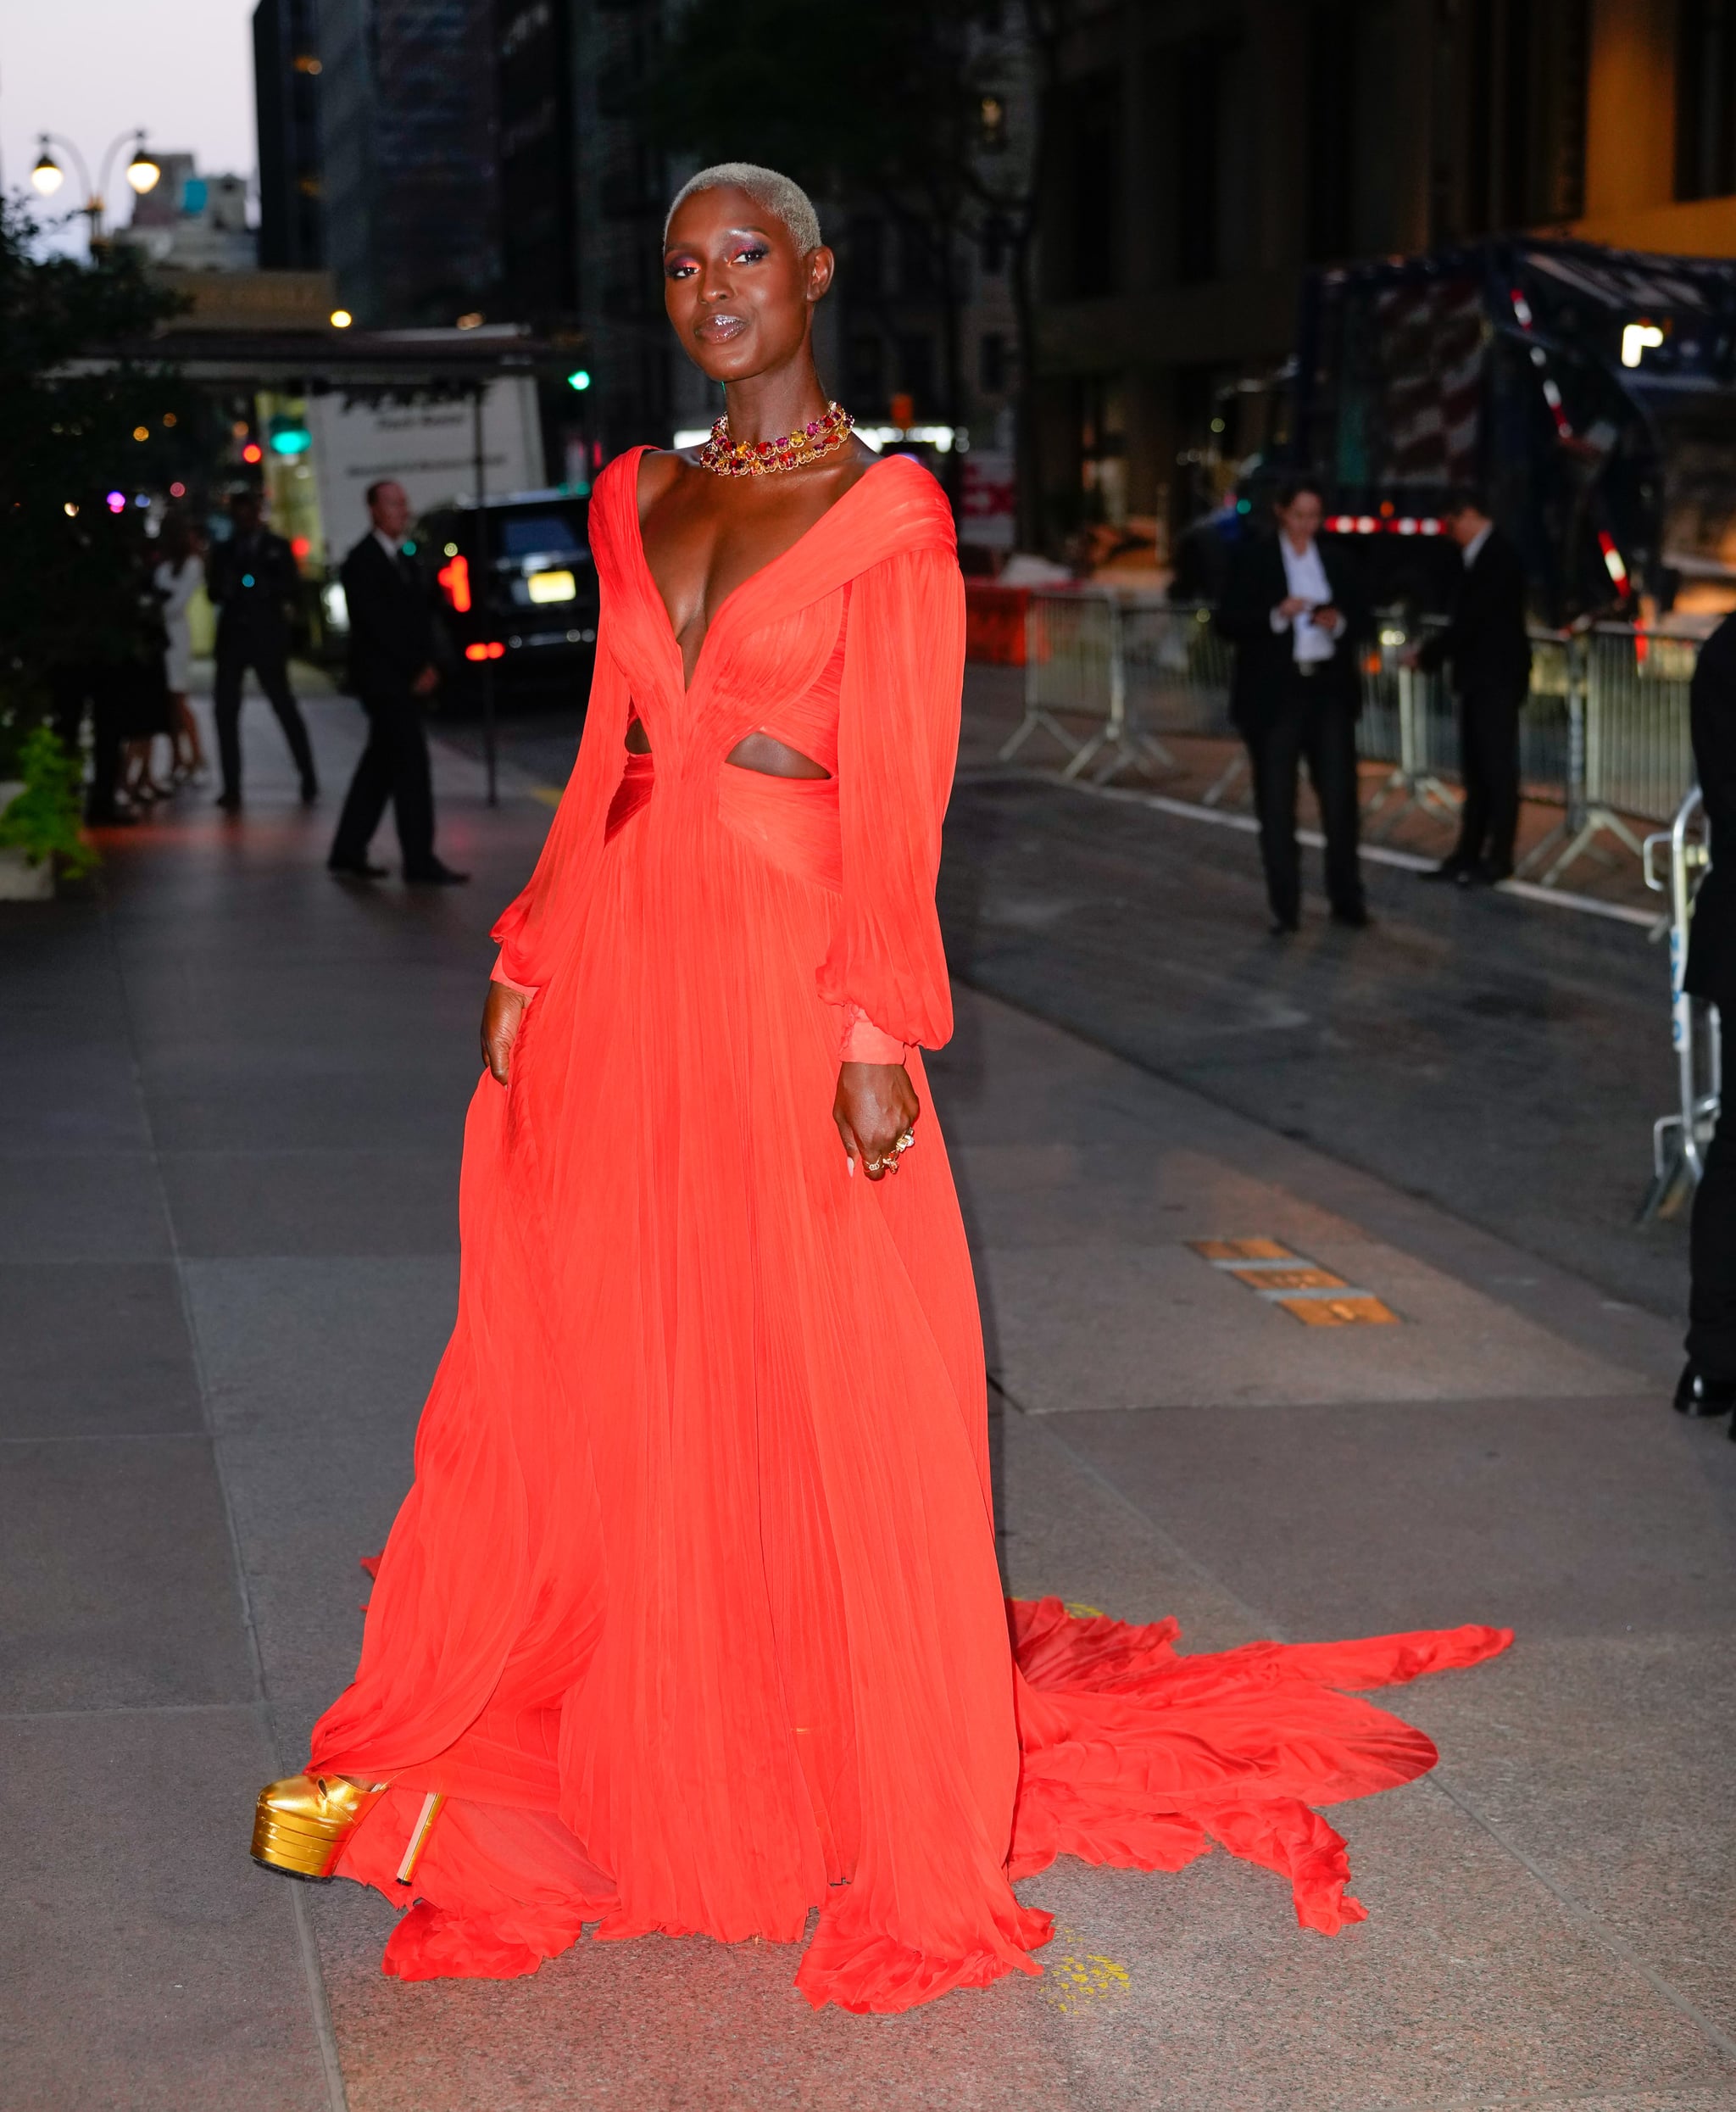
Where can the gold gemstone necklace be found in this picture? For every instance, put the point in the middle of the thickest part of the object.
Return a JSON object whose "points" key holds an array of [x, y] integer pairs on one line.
{"points": [[793, 450]]}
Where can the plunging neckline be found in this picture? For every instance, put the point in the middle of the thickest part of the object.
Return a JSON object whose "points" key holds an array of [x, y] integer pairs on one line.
{"points": [[771, 565]]}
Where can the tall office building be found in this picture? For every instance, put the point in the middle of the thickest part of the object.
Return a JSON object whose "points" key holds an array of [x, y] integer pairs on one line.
{"points": [[285, 91], [407, 133], [535, 150]]}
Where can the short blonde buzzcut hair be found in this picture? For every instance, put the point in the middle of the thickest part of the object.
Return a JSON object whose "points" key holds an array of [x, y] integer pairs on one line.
{"points": [[782, 198]]}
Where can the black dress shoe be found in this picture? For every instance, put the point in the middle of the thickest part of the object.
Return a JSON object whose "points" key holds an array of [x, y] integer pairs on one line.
{"points": [[1697, 1395], [310, 791], [1284, 926], [1354, 916], [1447, 869], [229, 802], [1484, 875], [436, 876], [356, 868]]}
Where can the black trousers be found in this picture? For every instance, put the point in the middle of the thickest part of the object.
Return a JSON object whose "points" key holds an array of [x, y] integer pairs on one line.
{"points": [[1315, 722], [1488, 761], [1711, 1260], [269, 663], [394, 765], [71, 687]]}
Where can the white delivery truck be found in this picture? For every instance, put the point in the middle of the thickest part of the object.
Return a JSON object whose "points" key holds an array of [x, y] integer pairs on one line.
{"points": [[428, 448]]}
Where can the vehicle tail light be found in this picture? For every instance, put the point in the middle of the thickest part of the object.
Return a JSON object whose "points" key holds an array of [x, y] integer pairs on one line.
{"points": [[494, 650], [455, 576]]}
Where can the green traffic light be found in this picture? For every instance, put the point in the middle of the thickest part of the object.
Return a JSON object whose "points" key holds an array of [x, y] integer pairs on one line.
{"points": [[579, 378]]}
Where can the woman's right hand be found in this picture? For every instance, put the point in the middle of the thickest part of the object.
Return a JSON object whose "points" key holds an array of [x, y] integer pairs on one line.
{"points": [[501, 1018]]}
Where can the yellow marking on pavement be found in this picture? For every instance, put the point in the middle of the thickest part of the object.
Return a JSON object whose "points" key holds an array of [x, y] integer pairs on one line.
{"points": [[1305, 1290], [1338, 1312], [1081, 1611], [1076, 1981], [1241, 1250], [1303, 1277], [550, 794]]}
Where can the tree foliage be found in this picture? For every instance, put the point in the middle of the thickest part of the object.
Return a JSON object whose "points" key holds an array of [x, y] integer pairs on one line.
{"points": [[72, 396]]}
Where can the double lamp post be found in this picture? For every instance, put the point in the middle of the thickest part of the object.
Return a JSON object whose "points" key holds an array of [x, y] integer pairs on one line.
{"points": [[143, 172]]}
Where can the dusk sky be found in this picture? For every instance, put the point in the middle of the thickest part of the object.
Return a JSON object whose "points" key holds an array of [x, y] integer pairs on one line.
{"points": [[92, 69]]}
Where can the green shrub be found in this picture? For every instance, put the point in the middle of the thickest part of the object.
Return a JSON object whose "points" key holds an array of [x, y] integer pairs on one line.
{"points": [[42, 821]]}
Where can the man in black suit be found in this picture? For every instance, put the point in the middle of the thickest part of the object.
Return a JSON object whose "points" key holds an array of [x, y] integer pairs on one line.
{"points": [[1490, 652], [1294, 612], [393, 655], [1708, 1385], [252, 583]]}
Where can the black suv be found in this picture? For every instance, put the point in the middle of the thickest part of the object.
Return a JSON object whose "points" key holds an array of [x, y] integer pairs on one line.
{"points": [[517, 588]]}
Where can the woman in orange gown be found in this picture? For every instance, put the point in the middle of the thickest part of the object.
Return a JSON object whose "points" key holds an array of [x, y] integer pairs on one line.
{"points": [[691, 1618]]}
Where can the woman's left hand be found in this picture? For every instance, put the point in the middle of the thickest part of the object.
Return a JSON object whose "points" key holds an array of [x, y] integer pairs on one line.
{"points": [[875, 1105]]}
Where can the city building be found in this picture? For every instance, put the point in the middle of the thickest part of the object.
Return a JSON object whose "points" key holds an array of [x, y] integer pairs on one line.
{"points": [[187, 222], [406, 159], [1207, 154], [287, 69]]}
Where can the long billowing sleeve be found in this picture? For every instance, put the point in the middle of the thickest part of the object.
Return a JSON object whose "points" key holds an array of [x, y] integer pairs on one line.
{"points": [[897, 743], [534, 931]]}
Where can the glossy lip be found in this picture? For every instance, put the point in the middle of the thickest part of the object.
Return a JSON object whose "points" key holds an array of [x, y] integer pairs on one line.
{"points": [[720, 329]]}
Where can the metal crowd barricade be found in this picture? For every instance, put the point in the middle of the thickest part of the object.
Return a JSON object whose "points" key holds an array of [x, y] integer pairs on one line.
{"points": [[1678, 1140], [1077, 665], [1604, 732]]}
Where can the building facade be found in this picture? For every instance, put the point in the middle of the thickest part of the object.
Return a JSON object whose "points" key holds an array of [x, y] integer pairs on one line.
{"points": [[408, 167], [287, 69], [1206, 155]]}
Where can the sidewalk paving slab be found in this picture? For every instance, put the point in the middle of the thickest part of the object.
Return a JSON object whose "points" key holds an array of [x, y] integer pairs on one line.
{"points": [[264, 1229]]}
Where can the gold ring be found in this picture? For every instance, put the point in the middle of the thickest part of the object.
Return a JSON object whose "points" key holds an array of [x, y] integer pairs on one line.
{"points": [[905, 1141]]}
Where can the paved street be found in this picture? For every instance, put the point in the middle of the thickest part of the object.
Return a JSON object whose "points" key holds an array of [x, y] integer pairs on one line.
{"points": [[228, 1157]]}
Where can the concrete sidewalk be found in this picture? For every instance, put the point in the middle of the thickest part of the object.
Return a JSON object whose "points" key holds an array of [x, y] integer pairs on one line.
{"points": [[228, 1160]]}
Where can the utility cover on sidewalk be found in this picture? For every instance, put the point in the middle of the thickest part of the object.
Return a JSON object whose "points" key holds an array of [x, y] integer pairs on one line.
{"points": [[1311, 1294]]}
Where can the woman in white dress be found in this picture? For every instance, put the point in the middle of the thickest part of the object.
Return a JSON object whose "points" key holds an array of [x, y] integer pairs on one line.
{"points": [[180, 572]]}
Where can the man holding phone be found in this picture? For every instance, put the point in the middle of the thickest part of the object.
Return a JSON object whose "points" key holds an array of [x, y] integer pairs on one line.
{"points": [[1295, 611]]}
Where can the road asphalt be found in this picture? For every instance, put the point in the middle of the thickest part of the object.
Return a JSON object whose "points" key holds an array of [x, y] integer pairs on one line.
{"points": [[228, 1160]]}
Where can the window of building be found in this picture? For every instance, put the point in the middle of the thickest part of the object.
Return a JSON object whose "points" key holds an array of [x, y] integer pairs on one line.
{"points": [[1705, 99], [867, 371], [993, 367], [1332, 130], [1198, 87], [1094, 136], [1526, 64], [916, 370], [866, 252]]}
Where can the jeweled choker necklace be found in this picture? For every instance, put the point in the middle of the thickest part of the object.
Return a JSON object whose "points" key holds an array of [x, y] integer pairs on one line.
{"points": [[794, 450]]}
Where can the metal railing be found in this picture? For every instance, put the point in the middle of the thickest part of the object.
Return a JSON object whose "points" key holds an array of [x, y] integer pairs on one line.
{"points": [[1603, 733], [1678, 1140]]}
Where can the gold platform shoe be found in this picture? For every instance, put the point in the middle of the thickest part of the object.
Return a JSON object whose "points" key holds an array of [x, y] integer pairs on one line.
{"points": [[301, 1824]]}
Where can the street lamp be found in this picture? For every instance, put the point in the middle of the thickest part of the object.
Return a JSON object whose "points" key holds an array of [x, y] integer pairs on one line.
{"points": [[143, 173]]}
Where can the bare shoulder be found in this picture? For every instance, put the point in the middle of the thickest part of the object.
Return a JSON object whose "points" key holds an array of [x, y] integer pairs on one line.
{"points": [[660, 470]]}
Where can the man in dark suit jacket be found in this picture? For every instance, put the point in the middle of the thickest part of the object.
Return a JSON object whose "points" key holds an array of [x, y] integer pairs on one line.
{"points": [[1296, 616], [252, 583], [1490, 652], [393, 655], [1708, 1385]]}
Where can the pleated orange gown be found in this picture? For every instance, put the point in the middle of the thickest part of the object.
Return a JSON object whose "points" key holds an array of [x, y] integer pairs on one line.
{"points": [[692, 1611]]}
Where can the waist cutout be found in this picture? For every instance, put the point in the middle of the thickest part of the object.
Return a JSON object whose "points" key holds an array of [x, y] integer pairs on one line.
{"points": [[792, 822]]}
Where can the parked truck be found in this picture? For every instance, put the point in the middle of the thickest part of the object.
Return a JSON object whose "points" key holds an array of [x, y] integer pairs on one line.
{"points": [[1591, 391]]}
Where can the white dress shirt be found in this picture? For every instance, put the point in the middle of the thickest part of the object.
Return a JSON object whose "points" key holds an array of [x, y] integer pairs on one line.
{"points": [[1305, 579], [394, 550], [1473, 549]]}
